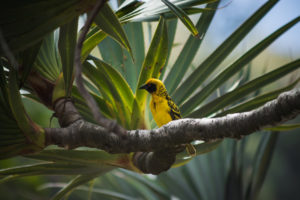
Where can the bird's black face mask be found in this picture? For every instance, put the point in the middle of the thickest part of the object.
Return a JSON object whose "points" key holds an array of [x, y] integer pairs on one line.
{"points": [[150, 87]]}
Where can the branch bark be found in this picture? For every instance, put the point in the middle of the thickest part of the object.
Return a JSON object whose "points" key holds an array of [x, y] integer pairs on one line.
{"points": [[78, 132]]}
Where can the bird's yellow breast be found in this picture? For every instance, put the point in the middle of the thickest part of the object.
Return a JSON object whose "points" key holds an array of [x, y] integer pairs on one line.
{"points": [[160, 110]]}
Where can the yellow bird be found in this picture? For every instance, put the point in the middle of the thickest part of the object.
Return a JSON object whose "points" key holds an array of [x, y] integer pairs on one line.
{"points": [[162, 107]]}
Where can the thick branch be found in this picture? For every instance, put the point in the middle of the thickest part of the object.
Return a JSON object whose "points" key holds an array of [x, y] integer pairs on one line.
{"points": [[155, 148], [81, 133]]}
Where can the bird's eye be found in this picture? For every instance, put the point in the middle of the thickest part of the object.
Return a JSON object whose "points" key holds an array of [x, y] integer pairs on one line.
{"points": [[151, 87]]}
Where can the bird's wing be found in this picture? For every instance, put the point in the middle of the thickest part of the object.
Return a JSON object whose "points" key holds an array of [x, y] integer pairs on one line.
{"points": [[174, 110]]}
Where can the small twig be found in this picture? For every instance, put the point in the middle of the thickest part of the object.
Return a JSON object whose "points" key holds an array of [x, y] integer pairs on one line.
{"points": [[7, 52], [108, 124]]}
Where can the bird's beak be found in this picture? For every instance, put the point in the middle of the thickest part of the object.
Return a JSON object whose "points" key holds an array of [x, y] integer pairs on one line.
{"points": [[145, 86]]}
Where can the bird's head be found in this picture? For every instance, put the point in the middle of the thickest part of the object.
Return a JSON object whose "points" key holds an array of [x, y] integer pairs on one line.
{"points": [[153, 86]]}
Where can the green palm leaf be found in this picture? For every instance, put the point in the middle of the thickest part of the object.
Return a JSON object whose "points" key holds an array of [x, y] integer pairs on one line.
{"points": [[91, 42], [189, 51], [202, 148], [155, 59], [197, 99], [46, 168], [183, 17], [109, 23], [207, 67], [48, 62], [151, 11], [66, 45], [257, 101], [284, 127], [86, 156], [114, 55], [33, 20], [261, 165], [81, 105], [244, 90], [28, 57], [77, 181], [131, 69], [105, 77], [29, 129]]}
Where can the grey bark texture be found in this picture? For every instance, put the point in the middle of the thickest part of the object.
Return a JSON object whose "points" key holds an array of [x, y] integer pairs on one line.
{"points": [[157, 144]]}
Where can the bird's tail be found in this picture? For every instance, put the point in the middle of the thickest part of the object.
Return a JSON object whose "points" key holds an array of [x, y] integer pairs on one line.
{"points": [[191, 150]]}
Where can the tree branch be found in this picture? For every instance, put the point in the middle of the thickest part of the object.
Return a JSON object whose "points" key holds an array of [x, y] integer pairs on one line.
{"points": [[178, 132], [109, 124]]}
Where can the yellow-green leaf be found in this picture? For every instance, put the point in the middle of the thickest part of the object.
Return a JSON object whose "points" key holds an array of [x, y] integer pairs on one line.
{"points": [[184, 18], [110, 24], [66, 45], [154, 61], [283, 127]]}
